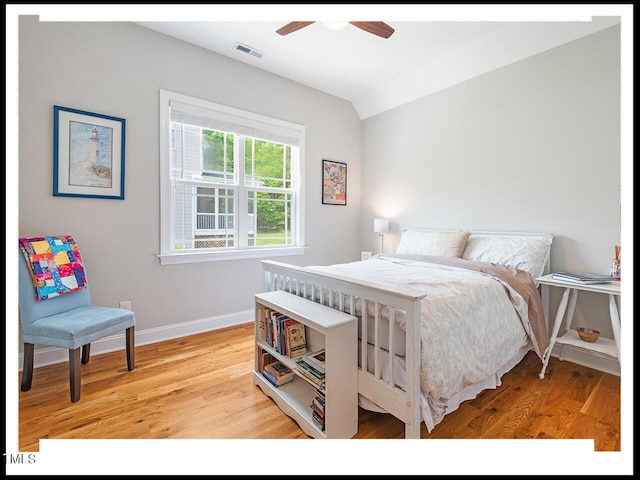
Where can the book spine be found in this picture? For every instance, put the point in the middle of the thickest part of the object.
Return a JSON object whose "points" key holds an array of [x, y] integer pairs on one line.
{"points": [[296, 339], [270, 330], [269, 378], [311, 370], [318, 421], [313, 380]]}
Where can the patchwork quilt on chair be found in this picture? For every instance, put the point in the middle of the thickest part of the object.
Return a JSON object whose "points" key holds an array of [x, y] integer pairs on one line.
{"points": [[55, 264]]}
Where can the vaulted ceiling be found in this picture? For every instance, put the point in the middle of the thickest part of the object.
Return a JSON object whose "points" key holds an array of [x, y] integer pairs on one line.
{"points": [[432, 50]]}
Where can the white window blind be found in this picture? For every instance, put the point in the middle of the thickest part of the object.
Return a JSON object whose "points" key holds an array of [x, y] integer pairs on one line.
{"points": [[233, 122]]}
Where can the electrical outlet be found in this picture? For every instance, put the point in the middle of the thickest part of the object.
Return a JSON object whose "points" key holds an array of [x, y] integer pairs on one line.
{"points": [[126, 305]]}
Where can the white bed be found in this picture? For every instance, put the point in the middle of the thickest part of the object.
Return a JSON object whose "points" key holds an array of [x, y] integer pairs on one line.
{"points": [[464, 307]]}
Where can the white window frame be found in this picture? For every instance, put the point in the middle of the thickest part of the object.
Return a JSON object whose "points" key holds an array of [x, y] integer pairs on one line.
{"points": [[167, 255]]}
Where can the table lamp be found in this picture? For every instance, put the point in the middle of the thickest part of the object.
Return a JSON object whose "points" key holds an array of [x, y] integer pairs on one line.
{"points": [[381, 226]]}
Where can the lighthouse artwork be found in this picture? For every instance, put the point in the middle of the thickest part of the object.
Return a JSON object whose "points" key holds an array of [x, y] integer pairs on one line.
{"points": [[90, 155]]}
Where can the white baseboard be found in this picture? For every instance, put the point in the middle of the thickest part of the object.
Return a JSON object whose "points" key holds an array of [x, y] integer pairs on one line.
{"points": [[591, 359], [112, 343], [50, 355]]}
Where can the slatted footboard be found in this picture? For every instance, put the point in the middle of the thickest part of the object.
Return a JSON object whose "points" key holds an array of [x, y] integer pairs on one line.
{"points": [[385, 349]]}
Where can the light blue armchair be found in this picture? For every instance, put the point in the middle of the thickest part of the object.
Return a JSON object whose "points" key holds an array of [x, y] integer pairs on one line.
{"points": [[67, 321]]}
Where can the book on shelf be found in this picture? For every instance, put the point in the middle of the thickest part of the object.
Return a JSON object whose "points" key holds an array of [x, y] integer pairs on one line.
{"points": [[265, 358], [297, 340], [316, 410], [286, 335], [276, 326], [318, 420], [584, 278], [279, 372], [309, 371], [318, 404], [267, 330], [283, 328], [315, 360], [274, 381], [270, 378], [313, 377], [262, 326]]}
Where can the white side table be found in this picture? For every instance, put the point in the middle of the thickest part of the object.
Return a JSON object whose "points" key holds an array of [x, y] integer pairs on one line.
{"points": [[566, 310]]}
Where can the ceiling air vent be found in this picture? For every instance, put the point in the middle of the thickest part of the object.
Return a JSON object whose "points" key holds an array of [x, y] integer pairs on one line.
{"points": [[247, 49]]}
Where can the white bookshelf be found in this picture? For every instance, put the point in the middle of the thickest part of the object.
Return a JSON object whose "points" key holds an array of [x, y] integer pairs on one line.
{"points": [[326, 328]]}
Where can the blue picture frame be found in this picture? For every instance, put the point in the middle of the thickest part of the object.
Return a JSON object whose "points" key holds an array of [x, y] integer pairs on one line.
{"points": [[88, 154]]}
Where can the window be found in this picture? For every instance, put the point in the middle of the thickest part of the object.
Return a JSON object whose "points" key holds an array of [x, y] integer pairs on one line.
{"points": [[231, 182]]}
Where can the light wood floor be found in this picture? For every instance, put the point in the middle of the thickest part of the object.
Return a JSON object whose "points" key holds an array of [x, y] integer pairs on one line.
{"points": [[200, 387]]}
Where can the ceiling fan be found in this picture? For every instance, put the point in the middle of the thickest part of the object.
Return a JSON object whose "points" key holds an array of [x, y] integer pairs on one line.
{"points": [[377, 28]]}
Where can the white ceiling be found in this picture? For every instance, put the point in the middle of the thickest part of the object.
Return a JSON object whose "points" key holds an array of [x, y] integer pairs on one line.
{"points": [[377, 74], [434, 45]]}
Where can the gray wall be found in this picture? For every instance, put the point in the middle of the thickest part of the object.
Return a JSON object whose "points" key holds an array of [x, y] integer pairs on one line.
{"points": [[533, 146], [118, 69], [514, 149]]}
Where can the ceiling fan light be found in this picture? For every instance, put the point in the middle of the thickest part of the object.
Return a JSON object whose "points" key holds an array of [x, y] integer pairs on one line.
{"points": [[335, 24]]}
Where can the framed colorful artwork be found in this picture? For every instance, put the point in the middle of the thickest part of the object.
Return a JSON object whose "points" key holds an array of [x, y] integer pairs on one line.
{"points": [[88, 154], [334, 182]]}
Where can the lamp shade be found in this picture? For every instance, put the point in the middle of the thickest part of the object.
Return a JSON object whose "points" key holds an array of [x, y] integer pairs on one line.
{"points": [[381, 225]]}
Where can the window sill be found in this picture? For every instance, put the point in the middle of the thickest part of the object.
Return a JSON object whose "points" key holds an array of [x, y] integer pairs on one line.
{"points": [[200, 257]]}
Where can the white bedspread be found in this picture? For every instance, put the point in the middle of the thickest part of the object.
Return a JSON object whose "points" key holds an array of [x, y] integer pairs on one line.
{"points": [[471, 328]]}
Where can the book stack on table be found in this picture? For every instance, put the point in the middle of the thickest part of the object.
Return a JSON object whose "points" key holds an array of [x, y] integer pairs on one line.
{"points": [[584, 278]]}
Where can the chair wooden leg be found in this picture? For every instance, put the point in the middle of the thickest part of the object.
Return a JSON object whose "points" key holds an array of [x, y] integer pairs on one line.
{"points": [[131, 355], [27, 368], [86, 349], [74, 374]]}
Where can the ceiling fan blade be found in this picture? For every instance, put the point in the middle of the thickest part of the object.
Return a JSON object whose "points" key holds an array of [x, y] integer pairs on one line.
{"points": [[377, 28], [292, 27]]}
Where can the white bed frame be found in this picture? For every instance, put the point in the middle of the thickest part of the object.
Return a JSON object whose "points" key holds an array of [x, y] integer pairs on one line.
{"points": [[342, 294], [322, 288]]}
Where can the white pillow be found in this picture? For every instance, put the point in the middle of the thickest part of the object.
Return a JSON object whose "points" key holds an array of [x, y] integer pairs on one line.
{"points": [[433, 242], [530, 254]]}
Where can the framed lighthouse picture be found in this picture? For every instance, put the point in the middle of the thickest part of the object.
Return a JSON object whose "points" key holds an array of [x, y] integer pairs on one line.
{"points": [[88, 154]]}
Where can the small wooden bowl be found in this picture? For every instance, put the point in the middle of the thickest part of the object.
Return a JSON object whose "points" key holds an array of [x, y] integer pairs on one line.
{"points": [[588, 334]]}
